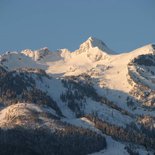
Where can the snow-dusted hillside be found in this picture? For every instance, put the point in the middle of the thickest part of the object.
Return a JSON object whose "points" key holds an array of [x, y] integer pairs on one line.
{"points": [[105, 95]]}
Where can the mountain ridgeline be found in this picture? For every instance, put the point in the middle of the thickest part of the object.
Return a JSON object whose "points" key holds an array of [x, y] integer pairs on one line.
{"points": [[90, 101]]}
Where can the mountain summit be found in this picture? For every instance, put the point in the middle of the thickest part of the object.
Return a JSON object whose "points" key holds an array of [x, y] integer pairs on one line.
{"points": [[93, 42]]}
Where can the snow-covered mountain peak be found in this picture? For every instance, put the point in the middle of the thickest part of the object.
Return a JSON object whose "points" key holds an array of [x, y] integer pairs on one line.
{"points": [[44, 49], [93, 42], [93, 49], [65, 53], [41, 53], [28, 52], [37, 54]]}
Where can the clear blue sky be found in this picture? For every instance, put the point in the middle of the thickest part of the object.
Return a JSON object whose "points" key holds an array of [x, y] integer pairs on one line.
{"points": [[122, 24]]}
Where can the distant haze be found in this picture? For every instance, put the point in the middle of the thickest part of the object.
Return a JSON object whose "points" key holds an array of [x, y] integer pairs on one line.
{"points": [[122, 24]]}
